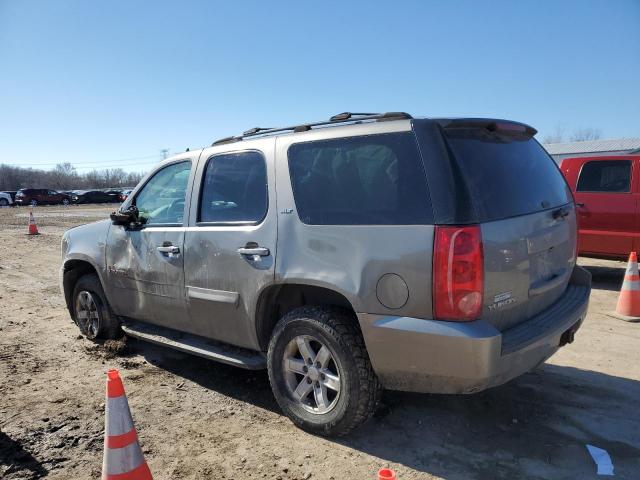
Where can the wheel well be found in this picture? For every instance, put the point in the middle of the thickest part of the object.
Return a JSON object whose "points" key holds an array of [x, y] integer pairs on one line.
{"points": [[277, 300], [73, 270]]}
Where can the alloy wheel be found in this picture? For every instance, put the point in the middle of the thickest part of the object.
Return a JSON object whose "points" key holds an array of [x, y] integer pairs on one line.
{"points": [[311, 373], [87, 314]]}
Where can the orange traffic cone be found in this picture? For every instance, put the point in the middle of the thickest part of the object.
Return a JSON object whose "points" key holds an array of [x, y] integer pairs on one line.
{"points": [[33, 228], [386, 474], [628, 307], [123, 459]]}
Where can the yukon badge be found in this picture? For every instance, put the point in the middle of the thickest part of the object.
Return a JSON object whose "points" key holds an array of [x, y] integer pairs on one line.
{"points": [[501, 300]]}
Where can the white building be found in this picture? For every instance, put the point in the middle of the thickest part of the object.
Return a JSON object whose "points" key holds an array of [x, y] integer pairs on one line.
{"points": [[593, 148]]}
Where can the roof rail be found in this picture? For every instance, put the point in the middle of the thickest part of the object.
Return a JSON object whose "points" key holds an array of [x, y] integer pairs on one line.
{"points": [[345, 117]]}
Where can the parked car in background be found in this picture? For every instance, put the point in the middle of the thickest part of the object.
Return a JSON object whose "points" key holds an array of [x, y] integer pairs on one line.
{"points": [[403, 253], [114, 193], [41, 196], [124, 194], [12, 193], [5, 199], [607, 194], [91, 196]]}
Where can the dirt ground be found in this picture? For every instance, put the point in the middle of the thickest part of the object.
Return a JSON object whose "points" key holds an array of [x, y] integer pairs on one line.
{"points": [[198, 419]]}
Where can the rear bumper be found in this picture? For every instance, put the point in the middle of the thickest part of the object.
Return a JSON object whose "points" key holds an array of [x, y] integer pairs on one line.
{"points": [[449, 357]]}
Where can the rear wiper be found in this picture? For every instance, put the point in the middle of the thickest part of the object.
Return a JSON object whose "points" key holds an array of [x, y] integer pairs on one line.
{"points": [[561, 213]]}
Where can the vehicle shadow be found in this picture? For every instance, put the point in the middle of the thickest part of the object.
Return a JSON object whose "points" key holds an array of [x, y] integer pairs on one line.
{"points": [[605, 277], [536, 426], [17, 459], [247, 385]]}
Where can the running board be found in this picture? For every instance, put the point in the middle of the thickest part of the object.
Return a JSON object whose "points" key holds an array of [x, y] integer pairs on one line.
{"points": [[195, 345]]}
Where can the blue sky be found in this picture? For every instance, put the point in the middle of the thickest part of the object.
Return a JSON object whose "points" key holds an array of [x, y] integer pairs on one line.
{"points": [[109, 84]]}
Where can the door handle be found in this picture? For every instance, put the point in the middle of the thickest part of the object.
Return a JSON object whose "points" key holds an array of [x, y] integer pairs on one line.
{"points": [[545, 285], [168, 249], [580, 205], [253, 251]]}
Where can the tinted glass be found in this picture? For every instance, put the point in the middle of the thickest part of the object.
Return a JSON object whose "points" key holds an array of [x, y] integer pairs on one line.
{"points": [[605, 176], [369, 180], [234, 189], [161, 200], [507, 175]]}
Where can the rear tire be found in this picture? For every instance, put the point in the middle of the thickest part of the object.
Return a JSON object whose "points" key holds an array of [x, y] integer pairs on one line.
{"points": [[91, 310], [332, 388], [3, 202]]}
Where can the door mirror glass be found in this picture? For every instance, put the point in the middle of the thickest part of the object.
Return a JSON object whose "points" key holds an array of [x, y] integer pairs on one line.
{"points": [[161, 200]]}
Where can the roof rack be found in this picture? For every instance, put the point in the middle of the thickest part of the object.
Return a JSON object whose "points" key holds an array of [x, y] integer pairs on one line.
{"points": [[344, 117]]}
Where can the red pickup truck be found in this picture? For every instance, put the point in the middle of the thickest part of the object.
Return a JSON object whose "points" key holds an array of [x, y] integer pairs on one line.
{"points": [[606, 190]]}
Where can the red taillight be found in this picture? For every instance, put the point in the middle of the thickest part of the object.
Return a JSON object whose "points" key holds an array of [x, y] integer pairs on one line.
{"points": [[457, 273]]}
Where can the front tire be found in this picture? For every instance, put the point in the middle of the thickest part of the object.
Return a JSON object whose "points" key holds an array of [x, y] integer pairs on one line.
{"points": [[4, 202], [33, 202], [320, 372], [91, 311]]}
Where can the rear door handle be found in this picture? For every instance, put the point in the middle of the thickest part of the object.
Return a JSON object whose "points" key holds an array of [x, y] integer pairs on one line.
{"points": [[259, 251], [168, 249], [545, 285], [579, 204]]}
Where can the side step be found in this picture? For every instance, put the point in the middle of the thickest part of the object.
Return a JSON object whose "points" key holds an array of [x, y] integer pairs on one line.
{"points": [[195, 345]]}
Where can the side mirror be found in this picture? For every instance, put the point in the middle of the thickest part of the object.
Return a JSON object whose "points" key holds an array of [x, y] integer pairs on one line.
{"points": [[125, 217]]}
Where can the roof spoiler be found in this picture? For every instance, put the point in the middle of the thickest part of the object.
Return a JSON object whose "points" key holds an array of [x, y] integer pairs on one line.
{"points": [[490, 124]]}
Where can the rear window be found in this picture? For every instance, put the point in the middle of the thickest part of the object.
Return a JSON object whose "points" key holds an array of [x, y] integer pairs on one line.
{"points": [[605, 176], [368, 180], [507, 175]]}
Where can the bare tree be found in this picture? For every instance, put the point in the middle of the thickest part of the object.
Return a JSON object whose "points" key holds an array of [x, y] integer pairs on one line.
{"points": [[579, 135], [584, 134], [557, 136], [65, 177]]}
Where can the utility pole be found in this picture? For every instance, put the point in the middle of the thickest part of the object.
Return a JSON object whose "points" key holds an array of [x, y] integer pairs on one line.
{"points": [[164, 152]]}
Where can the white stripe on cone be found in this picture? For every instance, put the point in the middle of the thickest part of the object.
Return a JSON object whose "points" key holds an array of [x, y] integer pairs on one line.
{"points": [[119, 422]]}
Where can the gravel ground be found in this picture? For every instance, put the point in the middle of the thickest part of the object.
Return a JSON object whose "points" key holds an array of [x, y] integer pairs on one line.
{"points": [[197, 419]]}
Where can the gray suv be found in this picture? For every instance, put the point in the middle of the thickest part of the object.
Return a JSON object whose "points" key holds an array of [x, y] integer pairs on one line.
{"points": [[365, 252]]}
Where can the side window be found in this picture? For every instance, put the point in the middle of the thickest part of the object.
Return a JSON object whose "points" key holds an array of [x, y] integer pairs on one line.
{"points": [[161, 200], [369, 180], [234, 189], [605, 176]]}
